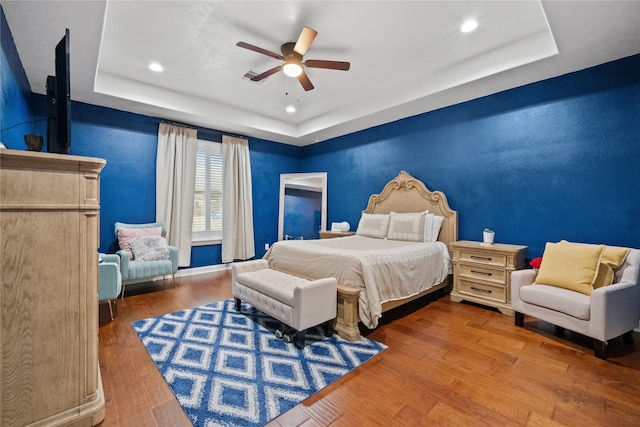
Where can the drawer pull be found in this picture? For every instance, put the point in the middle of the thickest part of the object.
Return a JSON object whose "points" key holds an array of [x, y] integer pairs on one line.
{"points": [[481, 272], [486, 291], [484, 258]]}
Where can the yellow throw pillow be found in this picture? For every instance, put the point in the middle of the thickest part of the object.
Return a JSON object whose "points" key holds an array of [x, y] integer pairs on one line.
{"points": [[612, 258], [604, 277], [570, 265]]}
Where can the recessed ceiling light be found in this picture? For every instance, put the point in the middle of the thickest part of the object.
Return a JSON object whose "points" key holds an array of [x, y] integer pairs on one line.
{"points": [[291, 109], [154, 66], [469, 26]]}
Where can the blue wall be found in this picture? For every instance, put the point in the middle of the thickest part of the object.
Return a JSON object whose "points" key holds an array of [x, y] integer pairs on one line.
{"points": [[15, 93], [557, 159]]}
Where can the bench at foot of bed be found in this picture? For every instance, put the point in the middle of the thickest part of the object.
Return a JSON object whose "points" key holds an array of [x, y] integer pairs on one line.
{"points": [[296, 302]]}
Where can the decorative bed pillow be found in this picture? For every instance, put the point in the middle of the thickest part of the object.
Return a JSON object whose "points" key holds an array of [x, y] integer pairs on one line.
{"points": [[435, 224], [428, 226], [149, 248], [373, 225], [407, 226], [571, 266], [126, 234]]}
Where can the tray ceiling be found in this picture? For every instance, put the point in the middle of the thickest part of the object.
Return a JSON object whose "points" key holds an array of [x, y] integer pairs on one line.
{"points": [[406, 57]]}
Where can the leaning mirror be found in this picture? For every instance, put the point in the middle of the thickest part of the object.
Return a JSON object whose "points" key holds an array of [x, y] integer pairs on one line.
{"points": [[303, 205]]}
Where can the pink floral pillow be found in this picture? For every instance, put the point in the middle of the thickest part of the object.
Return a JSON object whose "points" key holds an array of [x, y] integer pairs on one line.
{"points": [[126, 234]]}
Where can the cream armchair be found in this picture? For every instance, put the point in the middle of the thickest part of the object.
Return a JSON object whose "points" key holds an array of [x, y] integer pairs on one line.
{"points": [[607, 313]]}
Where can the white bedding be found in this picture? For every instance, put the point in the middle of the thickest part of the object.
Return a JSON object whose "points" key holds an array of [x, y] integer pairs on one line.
{"points": [[383, 270]]}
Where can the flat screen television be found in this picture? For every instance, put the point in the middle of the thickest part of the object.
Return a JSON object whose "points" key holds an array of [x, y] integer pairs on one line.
{"points": [[59, 101]]}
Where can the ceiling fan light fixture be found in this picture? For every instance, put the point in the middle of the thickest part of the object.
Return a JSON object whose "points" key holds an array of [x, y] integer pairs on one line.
{"points": [[292, 57], [292, 69]]}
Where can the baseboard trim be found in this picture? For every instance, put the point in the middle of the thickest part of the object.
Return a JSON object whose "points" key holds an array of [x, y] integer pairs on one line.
{"points": [[201, 270], [186, 272]]}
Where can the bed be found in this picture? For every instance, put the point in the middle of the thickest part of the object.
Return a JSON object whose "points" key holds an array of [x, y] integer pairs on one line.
{"points": [[377, 274]]}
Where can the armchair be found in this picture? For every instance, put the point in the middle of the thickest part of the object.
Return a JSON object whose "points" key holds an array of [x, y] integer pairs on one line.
{"points": [[134, 269], [610, 311], [109, 279]]}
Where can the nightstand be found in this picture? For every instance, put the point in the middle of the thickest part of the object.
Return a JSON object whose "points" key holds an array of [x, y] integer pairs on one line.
{"points": [[482, 273], [332, 234]]}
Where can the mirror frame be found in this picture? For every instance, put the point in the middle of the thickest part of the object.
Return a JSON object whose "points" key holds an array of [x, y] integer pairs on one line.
{"points": [[291, 178]]}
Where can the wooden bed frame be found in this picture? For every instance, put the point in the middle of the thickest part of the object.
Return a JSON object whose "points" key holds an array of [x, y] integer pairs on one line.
{"points": [[402, 194]]}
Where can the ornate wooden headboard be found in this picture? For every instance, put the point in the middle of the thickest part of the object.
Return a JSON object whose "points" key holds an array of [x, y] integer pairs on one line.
{"points": [[405, 193]]}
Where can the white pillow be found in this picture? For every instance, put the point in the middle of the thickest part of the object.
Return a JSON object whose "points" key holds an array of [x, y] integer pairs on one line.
{"points": [[373, 225], [432, 226], [149, 248], [437, 224], [428, 226], [406, 226]]}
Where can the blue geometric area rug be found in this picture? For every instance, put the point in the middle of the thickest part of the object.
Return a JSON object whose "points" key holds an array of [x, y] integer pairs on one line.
{"points": [[227, 368]]}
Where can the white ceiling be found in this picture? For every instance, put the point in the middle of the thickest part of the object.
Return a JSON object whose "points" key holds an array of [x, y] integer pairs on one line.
{"points": [[406, 57]]}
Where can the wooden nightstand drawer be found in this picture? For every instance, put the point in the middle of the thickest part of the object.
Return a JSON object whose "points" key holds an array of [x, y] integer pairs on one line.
{"points": [[485, 291], [481, 272], [486, 258]]}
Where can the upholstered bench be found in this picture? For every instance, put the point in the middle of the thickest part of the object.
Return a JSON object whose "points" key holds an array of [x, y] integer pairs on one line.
{"points": [[296, 302]]}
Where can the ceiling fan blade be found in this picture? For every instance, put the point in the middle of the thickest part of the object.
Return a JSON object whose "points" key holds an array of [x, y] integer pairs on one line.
{"points": [[259, 50], [305, 82], [331, 65], [266, 74], [304, 41]]}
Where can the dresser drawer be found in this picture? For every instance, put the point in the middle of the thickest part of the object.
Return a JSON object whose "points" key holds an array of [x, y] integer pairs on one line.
{"points": [[493, 292], [478, 271], [485, 257]]}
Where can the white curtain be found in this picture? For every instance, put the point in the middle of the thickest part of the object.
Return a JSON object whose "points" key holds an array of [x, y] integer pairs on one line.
{"points": [[237, 204], [175, 182]]}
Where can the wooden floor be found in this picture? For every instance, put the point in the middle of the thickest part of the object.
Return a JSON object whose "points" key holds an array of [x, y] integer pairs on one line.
{"points": [[447, 364]]}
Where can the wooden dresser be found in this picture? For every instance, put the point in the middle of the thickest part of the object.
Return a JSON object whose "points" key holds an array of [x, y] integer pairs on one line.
{"points": [[49, 207], [482, 273]]}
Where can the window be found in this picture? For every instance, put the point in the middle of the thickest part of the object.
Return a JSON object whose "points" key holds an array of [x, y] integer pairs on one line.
{"points": [[207, 203]]}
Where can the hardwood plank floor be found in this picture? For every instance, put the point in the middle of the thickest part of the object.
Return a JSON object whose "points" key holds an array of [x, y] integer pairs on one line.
{"points": [[447, 364]]}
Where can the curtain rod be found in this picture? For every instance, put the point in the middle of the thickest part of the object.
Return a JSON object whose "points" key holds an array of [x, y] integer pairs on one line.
{"points": [[199, 129]]}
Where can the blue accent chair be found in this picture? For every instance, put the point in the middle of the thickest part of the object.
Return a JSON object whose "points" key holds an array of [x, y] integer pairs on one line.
{"points": [[109, 279], [139, 270]]}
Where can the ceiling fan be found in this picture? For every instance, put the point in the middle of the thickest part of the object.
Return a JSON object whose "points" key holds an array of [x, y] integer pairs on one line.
{"points": [[292, 54]]}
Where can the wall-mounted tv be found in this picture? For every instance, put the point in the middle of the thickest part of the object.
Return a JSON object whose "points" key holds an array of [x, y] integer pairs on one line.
{"points": [[59, 101]]}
